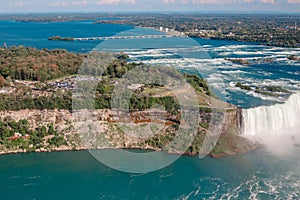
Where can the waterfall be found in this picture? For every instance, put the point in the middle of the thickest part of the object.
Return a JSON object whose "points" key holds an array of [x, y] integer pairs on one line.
{"points": [[271, 120]]}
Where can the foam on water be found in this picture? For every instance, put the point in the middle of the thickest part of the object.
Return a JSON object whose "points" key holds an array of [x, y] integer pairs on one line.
{"points": [[222, 73], [282, 187], [256, 187]]}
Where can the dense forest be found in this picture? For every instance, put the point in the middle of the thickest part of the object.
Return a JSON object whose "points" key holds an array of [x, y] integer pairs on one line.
{"points": [[28, 63]]}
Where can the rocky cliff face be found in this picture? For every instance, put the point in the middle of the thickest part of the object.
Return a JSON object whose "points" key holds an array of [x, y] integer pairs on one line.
{"points": [[118, 129], [231, 142], [62, 119]]}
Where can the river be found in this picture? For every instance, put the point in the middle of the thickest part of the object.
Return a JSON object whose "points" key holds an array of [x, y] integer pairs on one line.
{"points": [[263, 174]]}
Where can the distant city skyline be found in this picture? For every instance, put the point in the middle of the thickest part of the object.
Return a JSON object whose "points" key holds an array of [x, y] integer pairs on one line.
{"points": [[149, 5]]}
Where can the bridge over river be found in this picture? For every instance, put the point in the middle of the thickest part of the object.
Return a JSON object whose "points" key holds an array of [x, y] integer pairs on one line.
{"points": [[128, 37]]}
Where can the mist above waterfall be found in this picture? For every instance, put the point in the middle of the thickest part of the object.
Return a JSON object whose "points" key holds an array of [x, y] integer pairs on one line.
{"points": [[276, 126]]}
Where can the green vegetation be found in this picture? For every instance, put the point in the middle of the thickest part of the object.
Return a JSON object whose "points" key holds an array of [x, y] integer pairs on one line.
{"points": [[38, 95], [57, 141], [27, 63], [146, 102], [243, 87], [21, 101], [259, 91], [267, 29], [19, 135], [199, 84], [196, 145], [161, 141], [268, 90], [59, 38], [271, 90], [119, 67], [293, 57], [276, 89]]}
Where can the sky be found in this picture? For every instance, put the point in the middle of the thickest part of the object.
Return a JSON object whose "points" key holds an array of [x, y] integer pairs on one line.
{"points": [[149, 5]]}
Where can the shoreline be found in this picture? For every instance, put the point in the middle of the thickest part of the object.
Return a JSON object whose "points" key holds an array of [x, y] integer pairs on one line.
{"points": [[71, 149]]}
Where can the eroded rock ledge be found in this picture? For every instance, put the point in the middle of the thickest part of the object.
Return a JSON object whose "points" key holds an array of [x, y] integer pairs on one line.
{"points": [[132, 134]]}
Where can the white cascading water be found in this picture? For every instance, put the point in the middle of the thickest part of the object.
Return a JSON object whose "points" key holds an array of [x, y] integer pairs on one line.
{"points": [[272, 120]]}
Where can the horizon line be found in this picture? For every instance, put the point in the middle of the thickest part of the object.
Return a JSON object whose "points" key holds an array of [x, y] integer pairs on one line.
{"points": [[153, 12]]}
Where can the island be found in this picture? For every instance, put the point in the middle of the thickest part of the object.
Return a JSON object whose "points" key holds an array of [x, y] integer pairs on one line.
{"points": [[61, 38], [37, 115], [294, 58], [271, 90]]}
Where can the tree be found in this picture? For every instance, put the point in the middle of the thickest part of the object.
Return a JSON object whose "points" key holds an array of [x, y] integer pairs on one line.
{"points": [[2, 81]]}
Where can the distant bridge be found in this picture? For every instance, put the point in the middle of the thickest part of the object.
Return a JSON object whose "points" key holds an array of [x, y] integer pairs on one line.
{"points": [[128, 37]]}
